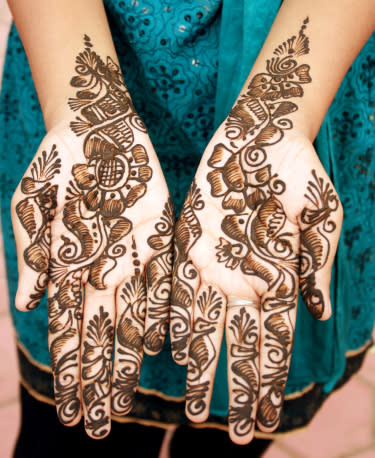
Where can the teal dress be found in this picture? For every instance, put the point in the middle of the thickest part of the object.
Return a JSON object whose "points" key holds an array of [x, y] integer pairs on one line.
{"points": [[184, 65]]}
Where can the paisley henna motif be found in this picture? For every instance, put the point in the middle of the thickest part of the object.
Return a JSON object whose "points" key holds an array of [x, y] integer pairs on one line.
{"points": [[130, 330], [315, 246], [96, 372]]}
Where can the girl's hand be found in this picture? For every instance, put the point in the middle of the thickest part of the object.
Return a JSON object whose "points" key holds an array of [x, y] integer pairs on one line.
{"points": [[93, 223], [261, 219]]}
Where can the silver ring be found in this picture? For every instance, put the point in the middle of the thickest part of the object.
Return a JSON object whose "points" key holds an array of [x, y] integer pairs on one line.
{"points": [[243, 302]]}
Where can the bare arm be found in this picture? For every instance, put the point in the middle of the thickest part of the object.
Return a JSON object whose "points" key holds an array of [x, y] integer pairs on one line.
{"points": [[52, 33], [338, 29]]}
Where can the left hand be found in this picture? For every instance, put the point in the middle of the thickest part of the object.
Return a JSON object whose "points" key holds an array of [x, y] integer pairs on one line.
{"points": [[261, 219]]}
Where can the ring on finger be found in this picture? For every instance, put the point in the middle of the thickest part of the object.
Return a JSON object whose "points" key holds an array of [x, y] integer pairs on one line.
{"points": [[243, 303]]}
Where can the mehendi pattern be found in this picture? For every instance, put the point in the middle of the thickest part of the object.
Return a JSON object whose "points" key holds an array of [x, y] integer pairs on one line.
{"points": [[243, 355], [258, 240], [113, 178]]}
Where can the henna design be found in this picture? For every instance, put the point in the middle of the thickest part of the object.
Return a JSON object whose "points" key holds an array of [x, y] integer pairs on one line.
{"points": [[97, 369], [202, 353], [315, 246], [35, 213], [130, 328], [188, 231], [279, 341], [112, 179], [159, 279], [244, 354], [256, 239]]}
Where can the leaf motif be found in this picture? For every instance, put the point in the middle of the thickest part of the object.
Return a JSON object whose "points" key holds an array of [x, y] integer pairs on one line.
{"points": [[119, 230], [220, 156], [26, 210], [36, 258], [129, 335], [74, 222], [99, 269], [244, 369], [78, 81], [312, 242], [284, 108], [269, 135], [199, 351], [134, 194]]}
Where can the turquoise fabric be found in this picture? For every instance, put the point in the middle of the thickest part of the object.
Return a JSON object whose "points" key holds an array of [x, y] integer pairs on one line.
{"points": [[184, 64]]}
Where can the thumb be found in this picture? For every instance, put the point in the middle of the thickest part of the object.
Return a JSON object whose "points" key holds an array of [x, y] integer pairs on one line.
{"points": [[320, 231], [33, 208]]}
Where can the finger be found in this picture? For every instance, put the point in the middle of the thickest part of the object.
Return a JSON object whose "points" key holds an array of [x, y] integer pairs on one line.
{"points": [[96, 350], [242, 334], [130, 317], [209, 316], [65, 303], [33, 208], [185, 280], [185, 284], [278, 316], [320, 230], [159, 282]]}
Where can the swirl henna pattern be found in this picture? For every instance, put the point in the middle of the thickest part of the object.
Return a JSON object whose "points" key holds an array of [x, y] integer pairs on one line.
{"points": [[95, 235], [188, 231]]}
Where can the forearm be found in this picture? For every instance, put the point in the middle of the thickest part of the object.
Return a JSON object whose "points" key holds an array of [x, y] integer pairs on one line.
{"points": [[336, 31], [52, 33]]}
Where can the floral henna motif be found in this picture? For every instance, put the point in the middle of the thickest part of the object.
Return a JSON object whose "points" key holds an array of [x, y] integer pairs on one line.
{"points": [[244, 353], [188, 231], [35, 213], [96, 372], [159, 279], [202, 353]]}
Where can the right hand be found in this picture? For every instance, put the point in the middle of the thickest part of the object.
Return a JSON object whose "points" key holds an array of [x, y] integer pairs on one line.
{"points": [[93, 222]]}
